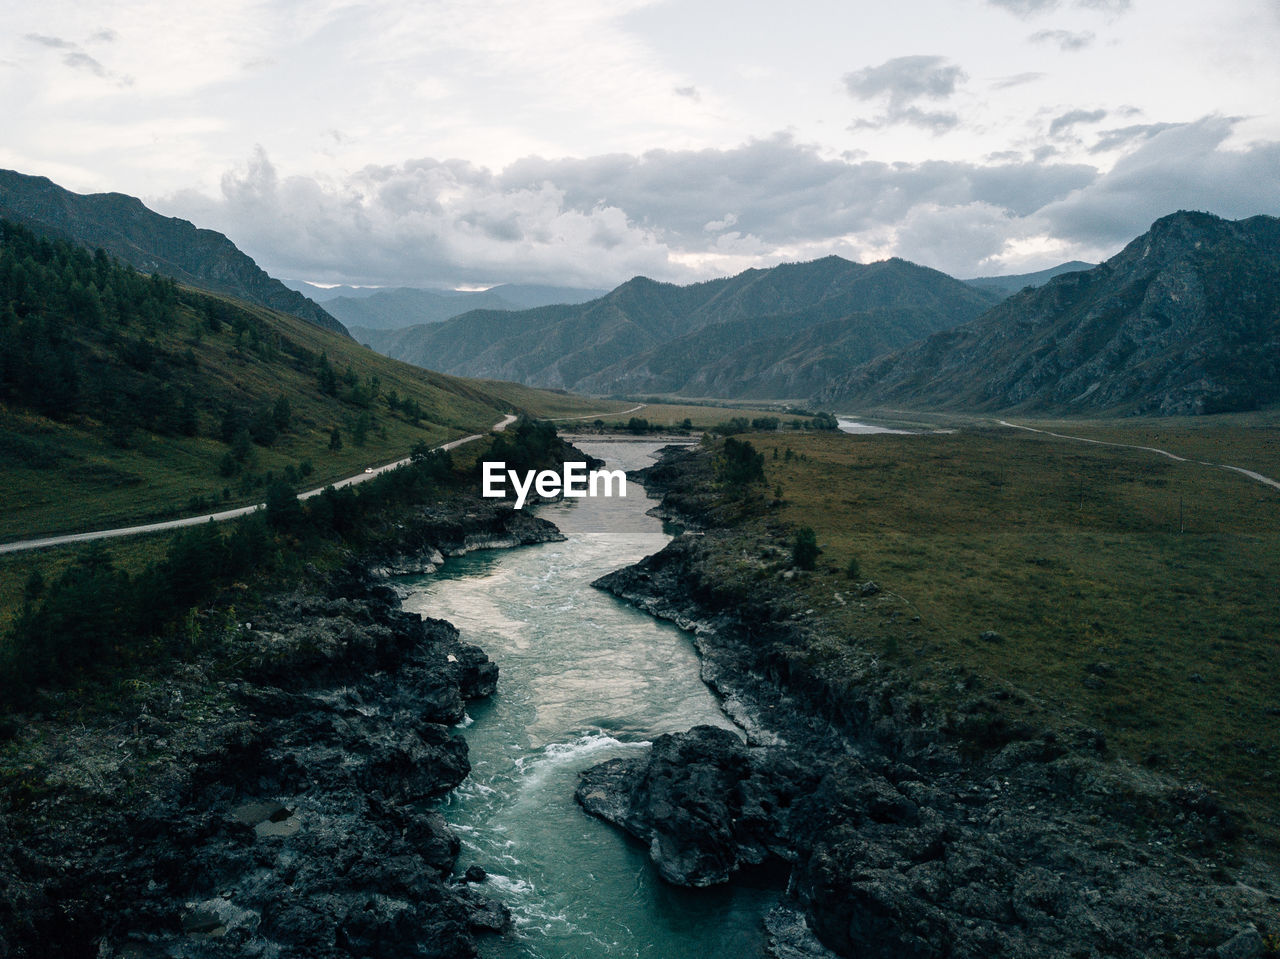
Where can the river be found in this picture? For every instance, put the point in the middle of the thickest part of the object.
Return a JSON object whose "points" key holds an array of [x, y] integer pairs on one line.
{"points": [[848, 425], [583, 678]]}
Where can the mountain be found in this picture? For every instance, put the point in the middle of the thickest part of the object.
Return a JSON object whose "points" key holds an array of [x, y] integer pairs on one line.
{"points": [[785, 356], [765, 332], [525, 296], [397, 308], [151, 243], [1183, 320], [323, 294], [1008, 285], [406, 306]]}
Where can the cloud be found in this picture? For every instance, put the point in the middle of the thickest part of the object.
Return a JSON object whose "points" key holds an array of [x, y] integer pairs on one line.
{"points": [[53, 43], [781, 191], [1122, 136], [1181, 166], [76, 58], [903, 81], [419, 223], [1065, 39], [85, 62], [1106, 6], [1064, 122], [603, 219], [955, 238], [936, 120], [1025, 8], [684, 215], [1017, 80], [719, 226], [906, 79], [1030, 8]]}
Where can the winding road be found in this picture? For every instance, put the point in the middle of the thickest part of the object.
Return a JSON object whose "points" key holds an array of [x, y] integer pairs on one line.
{"points": [[593, 416], [27, 544], [1257, 477]]}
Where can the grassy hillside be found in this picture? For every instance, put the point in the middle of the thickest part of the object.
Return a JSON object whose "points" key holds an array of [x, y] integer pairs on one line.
{"points": [[124, 398], [1097, 586], [130, 232]]}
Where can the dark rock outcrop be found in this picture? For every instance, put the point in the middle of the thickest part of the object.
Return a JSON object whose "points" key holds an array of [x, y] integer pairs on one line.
{"points": [[454, 529], [264, 799], [285, 823], [706, 804]]}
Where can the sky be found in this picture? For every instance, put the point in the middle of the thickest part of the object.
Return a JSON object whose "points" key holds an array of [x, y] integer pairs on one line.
{"points": [[465, 143]]}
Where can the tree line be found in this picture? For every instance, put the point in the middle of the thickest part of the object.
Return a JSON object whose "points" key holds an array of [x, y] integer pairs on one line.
{"points": [[63, 311], [96, 618]]}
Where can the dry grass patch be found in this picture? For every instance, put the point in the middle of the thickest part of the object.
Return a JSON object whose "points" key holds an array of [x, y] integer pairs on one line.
{"points": [[1129, 592]]}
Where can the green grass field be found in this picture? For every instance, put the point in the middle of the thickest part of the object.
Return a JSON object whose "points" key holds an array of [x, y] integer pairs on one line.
{"points": [[1132, 593], [673, 414], [1251, 441]]}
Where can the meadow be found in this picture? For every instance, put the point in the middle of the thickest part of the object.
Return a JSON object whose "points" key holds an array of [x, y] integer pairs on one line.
{"points": [[1098, 586]]}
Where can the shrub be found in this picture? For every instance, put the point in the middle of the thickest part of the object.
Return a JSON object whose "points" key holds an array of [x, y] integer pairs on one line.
{"points": [[804, 548], [739, 464]]}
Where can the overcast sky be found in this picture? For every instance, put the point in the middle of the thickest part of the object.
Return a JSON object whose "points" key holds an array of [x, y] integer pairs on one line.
{"points": [[472, 142]]}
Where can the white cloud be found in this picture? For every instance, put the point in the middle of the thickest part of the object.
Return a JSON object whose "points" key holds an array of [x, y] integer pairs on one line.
{"points": [[74, 56], [599, 219], [420, 223], [1065, 39], [1026, 8], [1066, 122], [684, 215], [1185, 166], [587, 141], [1123, 136], [957, 239], [902, 82], [1030, 8]]}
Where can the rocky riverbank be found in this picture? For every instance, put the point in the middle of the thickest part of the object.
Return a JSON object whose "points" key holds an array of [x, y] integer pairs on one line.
{"points": [[908, 828], [264, 798]]}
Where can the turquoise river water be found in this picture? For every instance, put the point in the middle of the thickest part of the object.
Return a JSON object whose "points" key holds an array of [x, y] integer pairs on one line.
{"points": [[583, 678]]}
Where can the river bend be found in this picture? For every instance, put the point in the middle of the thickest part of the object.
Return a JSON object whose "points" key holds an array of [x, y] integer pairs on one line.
{"points": [[584, 678]]}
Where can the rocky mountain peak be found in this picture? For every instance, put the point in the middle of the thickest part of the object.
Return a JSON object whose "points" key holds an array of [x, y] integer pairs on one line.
{"points": [[1184, 320]]}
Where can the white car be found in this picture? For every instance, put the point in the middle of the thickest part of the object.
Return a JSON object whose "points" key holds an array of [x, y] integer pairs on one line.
{"points": [[368, 469]]}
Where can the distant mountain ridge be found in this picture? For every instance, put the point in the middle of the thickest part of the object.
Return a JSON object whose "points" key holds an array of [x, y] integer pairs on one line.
{"points": [[151, 243], [1184, 320], [397, 308], [1008, 285], [778, 332]]}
